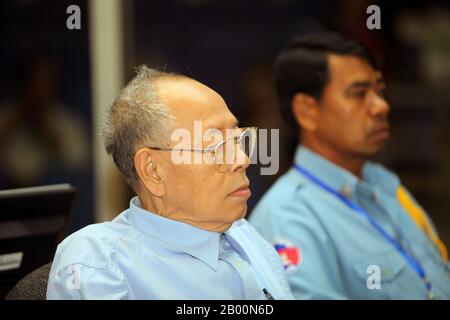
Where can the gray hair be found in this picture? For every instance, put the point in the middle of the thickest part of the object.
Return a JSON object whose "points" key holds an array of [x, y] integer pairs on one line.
{"points": [[135, 119]]}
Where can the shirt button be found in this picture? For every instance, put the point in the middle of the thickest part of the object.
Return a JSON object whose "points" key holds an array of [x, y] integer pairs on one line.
{"points": [[346, 191]]}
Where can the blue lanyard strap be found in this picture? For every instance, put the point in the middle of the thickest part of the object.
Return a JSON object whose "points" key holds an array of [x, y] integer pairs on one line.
{"points": [[410, 260]]}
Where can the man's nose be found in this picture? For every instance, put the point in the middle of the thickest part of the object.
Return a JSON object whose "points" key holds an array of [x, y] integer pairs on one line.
{"points": [[380, 107], [242, 161]]}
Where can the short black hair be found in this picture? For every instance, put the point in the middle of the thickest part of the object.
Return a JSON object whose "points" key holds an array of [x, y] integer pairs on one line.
{"points": [[303, 66]]}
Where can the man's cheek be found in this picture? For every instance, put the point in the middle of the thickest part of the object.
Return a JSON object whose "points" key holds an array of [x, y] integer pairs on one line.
{"points": [[354, 133]]}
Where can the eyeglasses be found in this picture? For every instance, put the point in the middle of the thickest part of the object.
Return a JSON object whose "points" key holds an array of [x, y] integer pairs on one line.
{"points": [[225, 153]]}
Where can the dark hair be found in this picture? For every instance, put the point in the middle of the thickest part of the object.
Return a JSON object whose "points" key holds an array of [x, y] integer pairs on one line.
{"points": [[303, 66]]}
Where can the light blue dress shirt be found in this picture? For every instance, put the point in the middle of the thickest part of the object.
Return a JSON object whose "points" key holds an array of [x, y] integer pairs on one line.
{"points": [[141, 255], [340, 251]]}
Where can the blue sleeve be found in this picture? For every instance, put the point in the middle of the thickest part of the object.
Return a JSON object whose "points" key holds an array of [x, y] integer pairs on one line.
{"points": [[84, 282]]}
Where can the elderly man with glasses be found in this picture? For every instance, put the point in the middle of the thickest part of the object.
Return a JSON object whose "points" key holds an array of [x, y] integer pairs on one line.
{"points": [[184, 236]]}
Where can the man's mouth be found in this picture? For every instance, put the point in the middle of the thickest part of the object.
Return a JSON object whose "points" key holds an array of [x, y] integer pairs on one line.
{"points": [[381, 133], [242, 191]]}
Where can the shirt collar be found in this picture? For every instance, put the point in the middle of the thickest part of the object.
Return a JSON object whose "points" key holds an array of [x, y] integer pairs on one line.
{"points": [[230, 235], [342, 180], [201, 244], [378, 175]]}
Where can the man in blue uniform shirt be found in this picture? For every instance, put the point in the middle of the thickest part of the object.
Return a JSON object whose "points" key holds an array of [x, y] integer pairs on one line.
{"points": [[184, 236], [344, 226]]}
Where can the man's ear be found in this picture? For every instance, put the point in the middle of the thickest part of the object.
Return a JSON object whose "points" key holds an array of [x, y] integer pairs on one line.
{"points": [[306, 111], [149, 172]]}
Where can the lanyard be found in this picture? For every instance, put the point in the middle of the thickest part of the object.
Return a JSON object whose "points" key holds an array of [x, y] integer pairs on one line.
{"points": [[409, 259]]}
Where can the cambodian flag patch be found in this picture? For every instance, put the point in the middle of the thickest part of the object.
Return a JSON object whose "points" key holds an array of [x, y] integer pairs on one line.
{"points": [[290, 254]]}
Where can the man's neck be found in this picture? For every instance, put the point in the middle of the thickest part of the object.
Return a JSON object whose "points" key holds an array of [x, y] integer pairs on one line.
{"points": [[345, 160], [157, 207]]}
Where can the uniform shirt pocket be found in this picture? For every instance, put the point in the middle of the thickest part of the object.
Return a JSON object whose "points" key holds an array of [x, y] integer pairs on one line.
{"points": [[385, 275]]}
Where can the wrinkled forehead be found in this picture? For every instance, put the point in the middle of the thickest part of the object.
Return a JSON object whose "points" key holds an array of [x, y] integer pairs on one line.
{"points": [[191, 102]]}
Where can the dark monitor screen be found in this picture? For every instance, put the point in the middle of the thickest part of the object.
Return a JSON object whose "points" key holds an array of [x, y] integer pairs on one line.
{"points": [[32, 223]]}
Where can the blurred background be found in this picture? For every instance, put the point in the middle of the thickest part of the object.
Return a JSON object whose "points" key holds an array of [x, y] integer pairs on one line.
{"points": [[56, 83]]}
